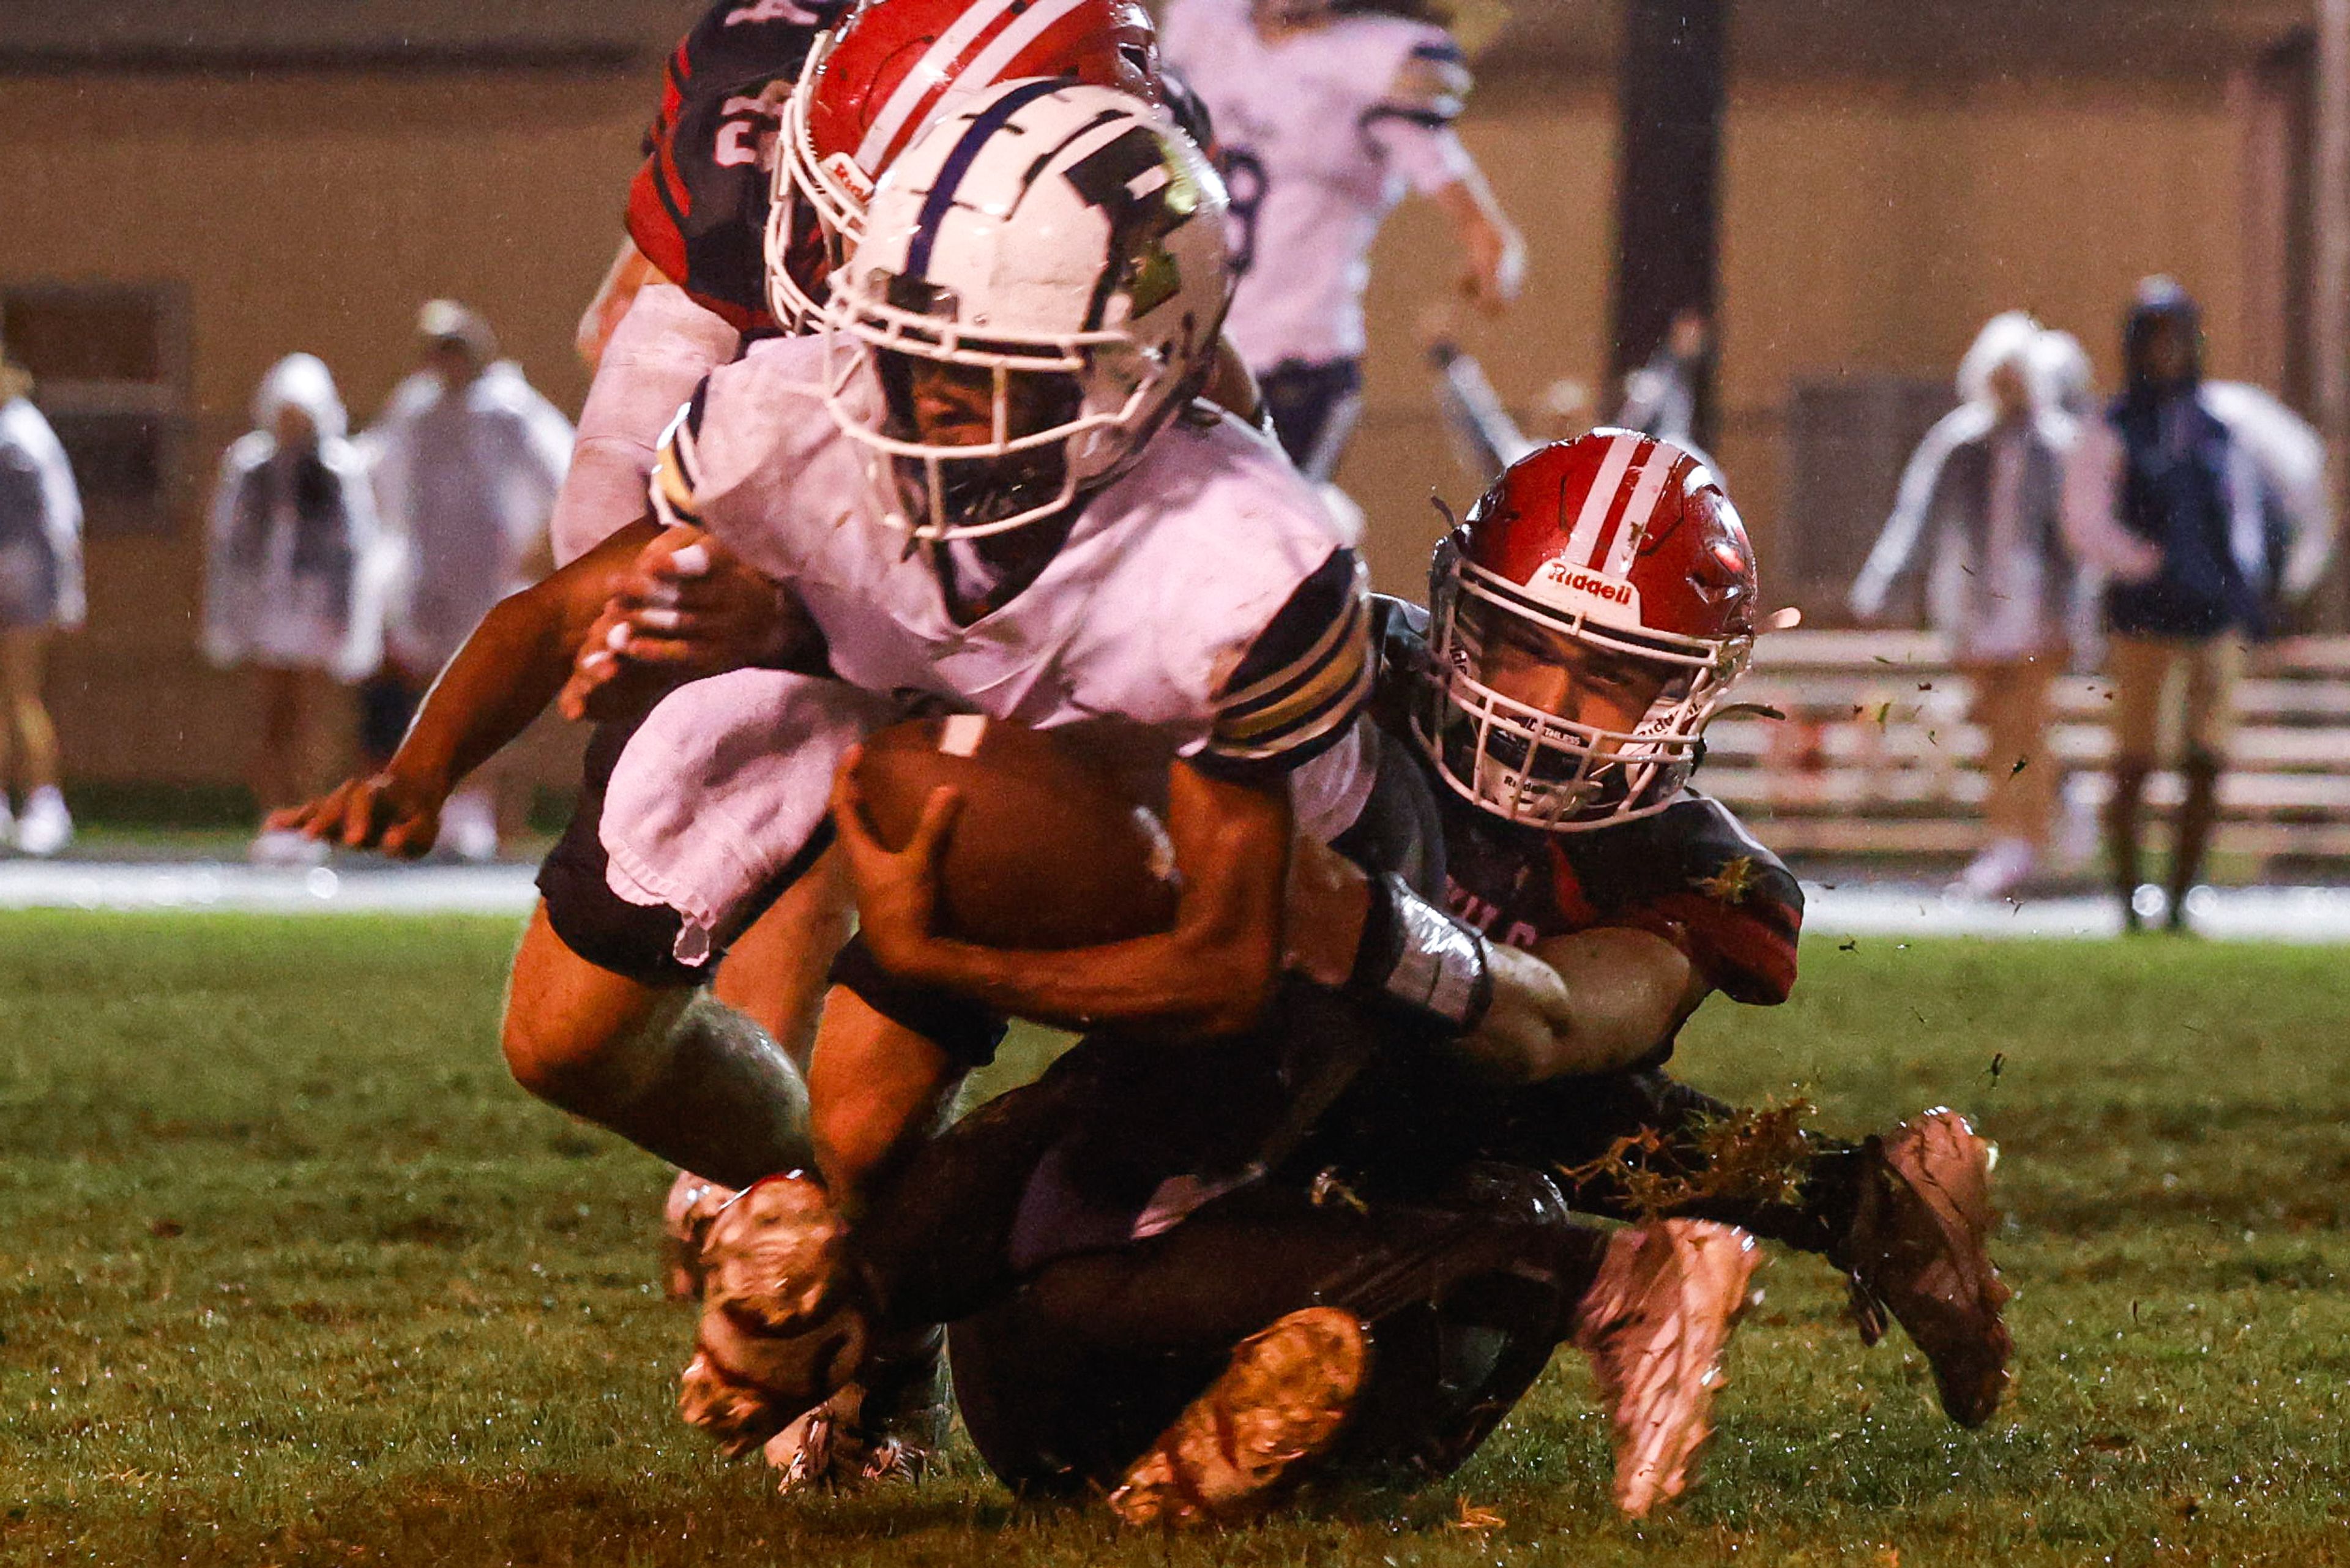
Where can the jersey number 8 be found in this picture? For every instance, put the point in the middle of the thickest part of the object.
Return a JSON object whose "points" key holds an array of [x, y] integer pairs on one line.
{"points": [[1245, 183]]}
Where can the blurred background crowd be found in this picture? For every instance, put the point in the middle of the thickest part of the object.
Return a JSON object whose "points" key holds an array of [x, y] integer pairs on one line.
{"points": [[2062, 575]]}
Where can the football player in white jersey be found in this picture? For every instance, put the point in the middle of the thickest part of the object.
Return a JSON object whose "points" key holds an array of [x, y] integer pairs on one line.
{"points": [[694, 610], [1326, 112], [989, 486]]}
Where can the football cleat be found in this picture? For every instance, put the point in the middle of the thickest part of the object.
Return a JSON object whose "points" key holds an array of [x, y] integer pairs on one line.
{"points": [[1279, 1405], [1654, 1324], [781, 1330], [693, 1202], [887, 1426], [1919, 1249], [834, 1448]]}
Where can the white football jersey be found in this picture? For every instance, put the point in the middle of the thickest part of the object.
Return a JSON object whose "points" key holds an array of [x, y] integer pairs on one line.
{"points": [[1203, 606], [1319, 136]]}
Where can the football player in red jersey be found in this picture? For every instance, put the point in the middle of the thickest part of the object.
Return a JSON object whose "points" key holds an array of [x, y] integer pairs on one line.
{"points": [[1589, 617], [1586, 622]]}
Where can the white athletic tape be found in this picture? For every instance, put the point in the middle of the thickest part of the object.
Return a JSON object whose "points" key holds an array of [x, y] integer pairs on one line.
{"points": [[961, 736], [693, 561]]}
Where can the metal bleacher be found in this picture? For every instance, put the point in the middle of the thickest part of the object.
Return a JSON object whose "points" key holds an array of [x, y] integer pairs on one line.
{"points": [[1875, 757]]}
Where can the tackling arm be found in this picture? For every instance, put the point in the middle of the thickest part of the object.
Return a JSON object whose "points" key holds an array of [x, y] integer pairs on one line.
{"points": [[1629, 991], [1595, 1002]]}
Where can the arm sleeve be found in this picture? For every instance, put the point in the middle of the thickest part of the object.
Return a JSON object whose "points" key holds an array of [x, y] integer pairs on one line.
{"points": [[1411, 124], [1738, 923], [658, 355], [2092, 530], [1297, 691], [676, 476], [1895, 555]]}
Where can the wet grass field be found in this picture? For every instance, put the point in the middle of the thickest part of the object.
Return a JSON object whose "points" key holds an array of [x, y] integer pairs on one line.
{"points": [[291, 1273]]}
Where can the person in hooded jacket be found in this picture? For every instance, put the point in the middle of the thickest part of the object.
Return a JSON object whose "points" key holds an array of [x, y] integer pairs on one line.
{"points": [[40, 595], [1979, 513], [2178, 496], [468, 458], [294, 581]]}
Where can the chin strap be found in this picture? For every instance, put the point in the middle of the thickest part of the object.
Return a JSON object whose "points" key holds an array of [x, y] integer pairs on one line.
{"points": [[1417, 957]]}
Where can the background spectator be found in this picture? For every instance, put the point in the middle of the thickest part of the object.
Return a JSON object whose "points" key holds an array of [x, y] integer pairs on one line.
{"points": [[1979, 512], [294, 585], [468, 458], [2201, 537], [40, 594]]}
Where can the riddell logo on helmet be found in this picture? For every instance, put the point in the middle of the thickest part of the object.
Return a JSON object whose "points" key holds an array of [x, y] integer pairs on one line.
{"points": [[1567, 588]]}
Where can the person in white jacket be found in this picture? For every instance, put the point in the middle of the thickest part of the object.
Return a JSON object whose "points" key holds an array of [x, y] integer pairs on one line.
{"points": [[1979, 512], [294, 581], [468, 459], [40, 595]]}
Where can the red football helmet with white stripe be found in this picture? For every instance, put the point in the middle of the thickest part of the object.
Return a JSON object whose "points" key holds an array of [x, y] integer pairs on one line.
{"points": [[1588, 619], [894, 68]]}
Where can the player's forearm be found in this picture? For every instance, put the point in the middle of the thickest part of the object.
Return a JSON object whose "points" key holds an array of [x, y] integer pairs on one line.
{"points": [[1213, 978], [1628, 992], [511, 668]]}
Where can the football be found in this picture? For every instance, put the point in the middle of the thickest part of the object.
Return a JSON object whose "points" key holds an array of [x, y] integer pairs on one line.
{"points": [[1050, 851]]}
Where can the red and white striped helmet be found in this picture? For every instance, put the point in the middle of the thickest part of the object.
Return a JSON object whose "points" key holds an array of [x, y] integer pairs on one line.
{"points": [[1616, 542], [894, 68]]}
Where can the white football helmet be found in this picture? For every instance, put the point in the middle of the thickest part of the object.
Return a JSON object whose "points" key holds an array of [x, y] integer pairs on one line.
{"points": [[882, 76], [1052, 256]]}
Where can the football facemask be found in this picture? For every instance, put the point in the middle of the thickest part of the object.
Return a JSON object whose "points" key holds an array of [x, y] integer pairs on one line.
{"points": [[1556, 724], [1013, 328], [982, 444]]}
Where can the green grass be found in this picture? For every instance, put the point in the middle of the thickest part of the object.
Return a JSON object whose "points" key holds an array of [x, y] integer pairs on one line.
{"points": [[290, 1272]]}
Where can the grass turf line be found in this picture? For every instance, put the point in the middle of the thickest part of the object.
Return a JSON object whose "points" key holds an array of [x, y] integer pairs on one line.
{"points": [[289, 1272]]}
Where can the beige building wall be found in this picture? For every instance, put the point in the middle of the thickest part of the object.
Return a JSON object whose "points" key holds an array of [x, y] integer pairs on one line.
{"points": [[1869, 225], [305, 211]]}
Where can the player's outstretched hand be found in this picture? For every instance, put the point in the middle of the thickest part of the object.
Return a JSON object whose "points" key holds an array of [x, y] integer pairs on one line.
{"points": [[382, 812], [897, 890]]}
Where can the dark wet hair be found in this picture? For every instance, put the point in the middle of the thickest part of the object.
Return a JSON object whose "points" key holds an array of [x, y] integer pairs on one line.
{"points": [[2160, 301]]}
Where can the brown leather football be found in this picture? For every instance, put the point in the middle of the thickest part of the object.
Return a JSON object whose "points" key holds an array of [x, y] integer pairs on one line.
{"points": [[1050, 850]]}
